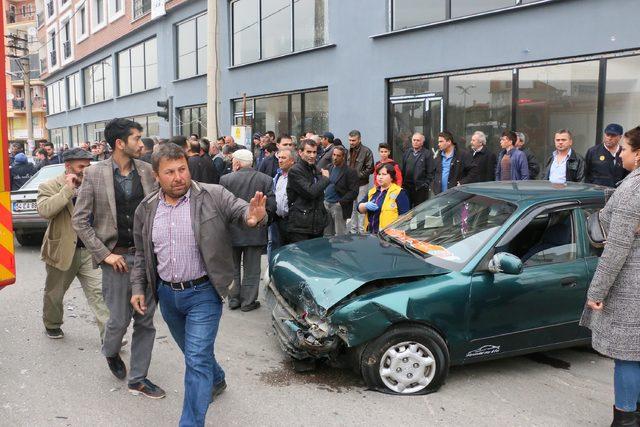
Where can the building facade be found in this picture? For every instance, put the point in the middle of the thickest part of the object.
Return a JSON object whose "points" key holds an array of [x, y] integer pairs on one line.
{"points": [[393, 67], [117, 58], [20, 24]]}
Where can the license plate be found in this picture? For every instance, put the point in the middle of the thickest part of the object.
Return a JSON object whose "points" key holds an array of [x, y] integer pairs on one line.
{"points": [[24, 206]]}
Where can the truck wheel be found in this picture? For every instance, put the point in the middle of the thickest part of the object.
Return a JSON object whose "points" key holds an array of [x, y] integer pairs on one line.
{"points": [[406, 360]]}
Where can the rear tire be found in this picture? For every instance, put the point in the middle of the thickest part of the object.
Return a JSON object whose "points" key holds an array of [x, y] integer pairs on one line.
{"points": [[407, 360], [29, 239]]}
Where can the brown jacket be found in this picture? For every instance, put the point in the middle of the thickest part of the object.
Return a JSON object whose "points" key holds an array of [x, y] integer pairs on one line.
{"points": [[94, 218], [213, 210], [55, 204]]}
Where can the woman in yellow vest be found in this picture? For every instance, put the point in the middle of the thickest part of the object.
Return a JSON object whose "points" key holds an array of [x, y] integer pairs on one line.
{"points": [[385, 202]]}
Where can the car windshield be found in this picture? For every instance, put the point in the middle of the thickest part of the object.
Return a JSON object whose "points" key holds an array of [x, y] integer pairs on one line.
{"points": [[450, 229], [44, 174]]}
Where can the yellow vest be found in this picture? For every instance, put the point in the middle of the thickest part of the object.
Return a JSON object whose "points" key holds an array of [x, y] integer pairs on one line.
{"points": [[389, 210]]}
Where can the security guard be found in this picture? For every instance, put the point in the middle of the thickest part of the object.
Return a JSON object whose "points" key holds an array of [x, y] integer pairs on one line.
{"points": [[602, 162]]}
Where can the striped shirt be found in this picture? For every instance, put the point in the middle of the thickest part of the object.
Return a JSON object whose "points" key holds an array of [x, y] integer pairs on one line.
{"points": [[174, 243]]}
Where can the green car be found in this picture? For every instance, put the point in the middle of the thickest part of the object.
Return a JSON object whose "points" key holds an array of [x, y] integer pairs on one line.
{"points": [[480, 272]]}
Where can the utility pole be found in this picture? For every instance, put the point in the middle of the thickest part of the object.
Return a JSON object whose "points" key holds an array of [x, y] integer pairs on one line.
{"points": [[19, 44], [212, 69]]}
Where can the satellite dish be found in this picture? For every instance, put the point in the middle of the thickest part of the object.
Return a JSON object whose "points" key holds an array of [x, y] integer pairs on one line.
{"points": [[32, 31]]}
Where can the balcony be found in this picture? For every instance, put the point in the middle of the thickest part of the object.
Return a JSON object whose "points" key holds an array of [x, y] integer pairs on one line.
{"points": [[66, 49], [50, 10], [37, 105], [53, 58]]}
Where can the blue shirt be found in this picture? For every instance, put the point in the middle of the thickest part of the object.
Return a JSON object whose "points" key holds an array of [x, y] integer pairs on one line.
{"points": [[330, 194], [446, 168], [558, 171]]}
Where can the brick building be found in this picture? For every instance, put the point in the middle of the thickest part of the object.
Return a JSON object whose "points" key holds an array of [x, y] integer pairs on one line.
{"points": [[106, 58]]}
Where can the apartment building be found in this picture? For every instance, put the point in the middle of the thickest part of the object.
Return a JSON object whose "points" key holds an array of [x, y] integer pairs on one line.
{"points": [[102, 59], [392, 67], [20, 22]]}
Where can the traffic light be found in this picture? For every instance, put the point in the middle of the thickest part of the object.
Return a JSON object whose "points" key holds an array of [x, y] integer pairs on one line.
{"points": [[164, 113]]}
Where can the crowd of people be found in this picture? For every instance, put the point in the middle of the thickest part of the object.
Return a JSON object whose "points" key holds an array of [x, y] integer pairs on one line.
{"points": [[182, 223]]}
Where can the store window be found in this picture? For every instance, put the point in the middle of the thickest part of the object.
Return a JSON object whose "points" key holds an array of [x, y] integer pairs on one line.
{"points": [[192, 47], [138, 68], [558, 97], [193, 120], [98, 81], [266, 28], [480, 102], [622, 98]]}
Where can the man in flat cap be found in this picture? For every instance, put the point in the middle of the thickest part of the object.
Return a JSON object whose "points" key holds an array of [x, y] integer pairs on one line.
{"points": [[64, 254], [602, 162]]}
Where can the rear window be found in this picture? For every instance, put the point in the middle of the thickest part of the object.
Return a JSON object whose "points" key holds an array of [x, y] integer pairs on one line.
{"points": [[44, 174]]}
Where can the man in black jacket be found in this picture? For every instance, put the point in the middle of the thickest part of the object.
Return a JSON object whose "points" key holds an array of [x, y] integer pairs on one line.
{"points": [[305, 194], [603, 165], [484, 161], [453, 164], [564, 165], [417, 170], [534, 166], [269, 164], [21, 171], [340, 194]]}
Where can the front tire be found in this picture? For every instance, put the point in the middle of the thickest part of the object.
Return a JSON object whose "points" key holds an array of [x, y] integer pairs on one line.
{"points": [[406, 360]]}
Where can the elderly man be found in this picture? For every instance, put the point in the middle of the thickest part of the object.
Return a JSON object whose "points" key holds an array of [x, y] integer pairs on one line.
{"points": [[248, 244], [103, 219], [417, 170], [564, 164], [178, 263], [360, 159], [603, 165], [532, 162], [64, 254], [484, 161], [231, 143]]}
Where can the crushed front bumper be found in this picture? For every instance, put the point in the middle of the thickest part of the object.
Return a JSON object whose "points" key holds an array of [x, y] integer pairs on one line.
{"points": [[294, 333]]}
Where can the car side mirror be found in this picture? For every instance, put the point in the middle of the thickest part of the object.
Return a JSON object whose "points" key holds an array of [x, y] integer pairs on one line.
{"points": [[506, 263]]}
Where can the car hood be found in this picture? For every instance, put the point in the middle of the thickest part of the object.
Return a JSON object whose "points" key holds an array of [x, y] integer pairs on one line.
{"points": [[322, 272]]}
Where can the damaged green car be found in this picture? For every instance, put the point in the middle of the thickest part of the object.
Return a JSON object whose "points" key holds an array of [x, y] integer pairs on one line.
{"points": [[480, 272]]}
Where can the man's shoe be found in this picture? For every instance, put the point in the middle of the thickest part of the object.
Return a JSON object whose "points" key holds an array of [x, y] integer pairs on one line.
{"points": [[147, 388], [117, 367], [218, 389], [234, 304], [249, 307], [624, 419], [55, 333]]}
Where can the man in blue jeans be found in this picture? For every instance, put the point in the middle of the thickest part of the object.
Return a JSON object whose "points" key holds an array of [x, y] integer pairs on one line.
{"points": [[187, 270]]}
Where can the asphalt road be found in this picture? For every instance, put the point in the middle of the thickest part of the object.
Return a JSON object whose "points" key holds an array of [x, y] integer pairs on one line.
{"points": [[66, 382]]}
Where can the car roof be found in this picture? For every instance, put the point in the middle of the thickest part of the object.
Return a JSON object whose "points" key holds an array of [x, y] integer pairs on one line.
{"points": [[535, 192]]}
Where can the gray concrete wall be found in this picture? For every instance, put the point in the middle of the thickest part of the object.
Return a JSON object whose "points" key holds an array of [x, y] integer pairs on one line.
{"points": [[186, 92], [356, 69]]}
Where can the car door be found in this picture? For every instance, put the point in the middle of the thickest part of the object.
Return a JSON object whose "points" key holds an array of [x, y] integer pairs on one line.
{"points": [[540, 306]]}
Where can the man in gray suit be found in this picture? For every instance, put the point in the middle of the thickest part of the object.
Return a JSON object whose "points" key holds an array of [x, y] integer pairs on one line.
{"points": [[103, 218], [248, 244]]}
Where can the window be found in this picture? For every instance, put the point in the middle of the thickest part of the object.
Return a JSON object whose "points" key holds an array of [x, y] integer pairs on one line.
{"points": [[50, 9], [267, 28], [192, 47], [56, 102], [558, 97], [76, 135], [138, 68], [480, 102], [193, 120], [98, 13], [622, 98], [98, 82], [59, 136], [53, 48], [95, 131], [81, 23], [141, 8], [549, 238], [409, 13], [149, 123], [65, 39], [73, 83], [292, 113], [116, 9]]}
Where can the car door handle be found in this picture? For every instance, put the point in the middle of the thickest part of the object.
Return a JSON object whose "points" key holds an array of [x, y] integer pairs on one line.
{"points": [[569, 282]]}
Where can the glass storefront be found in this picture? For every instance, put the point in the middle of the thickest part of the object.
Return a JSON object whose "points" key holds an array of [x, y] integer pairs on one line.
{"points": [[535, 99], [292, 114]]}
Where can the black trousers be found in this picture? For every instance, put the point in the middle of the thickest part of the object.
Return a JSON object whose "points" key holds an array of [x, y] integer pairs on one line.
{"points": [[417, 195]]}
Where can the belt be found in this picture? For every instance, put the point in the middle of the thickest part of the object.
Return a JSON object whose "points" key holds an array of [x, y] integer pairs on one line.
{"points": [[119, 250], [181, 286]]}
